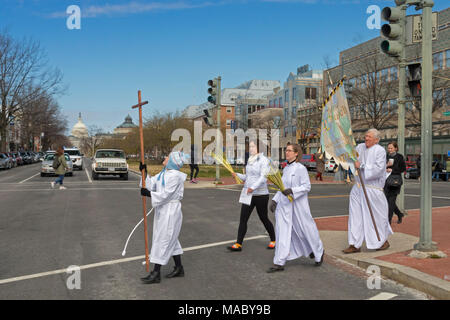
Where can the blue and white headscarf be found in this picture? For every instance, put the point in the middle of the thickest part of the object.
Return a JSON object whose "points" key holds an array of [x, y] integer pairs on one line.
{"points": [[176, 161]]}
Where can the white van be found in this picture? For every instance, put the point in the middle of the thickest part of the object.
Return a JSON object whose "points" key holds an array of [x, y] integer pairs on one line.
{"points": [[76, 157]]}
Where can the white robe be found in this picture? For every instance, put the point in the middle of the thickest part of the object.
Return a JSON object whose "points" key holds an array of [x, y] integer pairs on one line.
{"points": [[255, 176], [168, 216], [295, 229], [360, 225]]}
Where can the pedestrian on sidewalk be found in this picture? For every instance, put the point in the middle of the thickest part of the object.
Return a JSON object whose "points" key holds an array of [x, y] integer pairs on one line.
{"points": [[166, 190], [320, 165], [60, 166], [255, 185], [396, 165], [295, 229], [193, 165], [372, 164]]}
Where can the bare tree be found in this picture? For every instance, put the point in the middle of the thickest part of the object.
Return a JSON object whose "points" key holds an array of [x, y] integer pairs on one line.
{"points": [[92, 142], [23, 66], [372, 93]]}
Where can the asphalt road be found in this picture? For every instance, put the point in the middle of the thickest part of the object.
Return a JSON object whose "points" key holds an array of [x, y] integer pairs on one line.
{"points": [[44, 231]]}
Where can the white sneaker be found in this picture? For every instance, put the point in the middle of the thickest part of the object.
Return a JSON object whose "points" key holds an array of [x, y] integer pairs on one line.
{"points": [[53, 185], [62, 188]]}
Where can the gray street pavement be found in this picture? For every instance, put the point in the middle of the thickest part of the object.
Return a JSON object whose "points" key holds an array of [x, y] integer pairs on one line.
{"points": [[43, 231]]}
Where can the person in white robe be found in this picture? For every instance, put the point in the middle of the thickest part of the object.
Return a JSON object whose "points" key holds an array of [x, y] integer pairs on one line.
{"points": [[166, 191], [295, 229], [372, 165], [255, 187]]}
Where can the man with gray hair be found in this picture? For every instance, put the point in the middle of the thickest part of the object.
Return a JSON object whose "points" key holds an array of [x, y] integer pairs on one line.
{"points": [[372, 165]]}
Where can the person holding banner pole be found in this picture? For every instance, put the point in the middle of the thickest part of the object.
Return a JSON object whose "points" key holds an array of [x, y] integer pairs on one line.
{"points": [[368, 210]]}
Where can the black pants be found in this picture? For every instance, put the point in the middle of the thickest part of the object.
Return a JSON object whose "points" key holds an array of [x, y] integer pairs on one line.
{"points": [[391, 196], [260, 202], [194, 166]]}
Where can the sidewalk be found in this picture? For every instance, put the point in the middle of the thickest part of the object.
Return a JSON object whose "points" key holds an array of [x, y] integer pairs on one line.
{"points": [[431, 276]]}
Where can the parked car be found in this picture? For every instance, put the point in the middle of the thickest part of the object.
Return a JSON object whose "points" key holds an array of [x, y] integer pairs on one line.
{"points": [[330, 165], [412, 173], [5, 161], [18, 158], [25, 157], [13, 158], [110, 162], [308, 161], [47, 165], [76, 157]]}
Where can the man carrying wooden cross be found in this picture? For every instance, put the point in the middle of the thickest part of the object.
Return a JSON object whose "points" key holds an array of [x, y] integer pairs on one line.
{"points": [[372, 166]]}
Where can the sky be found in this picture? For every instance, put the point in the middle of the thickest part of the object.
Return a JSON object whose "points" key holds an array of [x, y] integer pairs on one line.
{"points": [[169, 49]]}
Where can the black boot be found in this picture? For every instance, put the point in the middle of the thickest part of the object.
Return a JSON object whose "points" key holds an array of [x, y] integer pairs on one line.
{"points": [[318, 264], [400, 218], [153, 277], [178, 271]]}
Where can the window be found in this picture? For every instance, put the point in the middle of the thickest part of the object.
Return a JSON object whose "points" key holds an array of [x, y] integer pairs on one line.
{"points": [[229, 110], [294, 111], [447, 58], [286, 95], [384, 75], [310, 93], [286, 114], [393, 73], [238, 110], [280, 102], [438, 60], [286, 131], [447, 97], [393, 105], [408, 106], [228, 122], [364, 81], [294, 94], [294, 130]]}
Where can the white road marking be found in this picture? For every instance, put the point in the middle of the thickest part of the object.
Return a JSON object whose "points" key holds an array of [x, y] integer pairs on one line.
{"points": [[29, 178], [87, 173], [111, 262], [383, 296], [73, 189], [418, 195]]}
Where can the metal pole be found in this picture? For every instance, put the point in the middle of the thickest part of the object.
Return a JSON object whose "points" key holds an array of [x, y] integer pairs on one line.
{"points": [[401, 104], [218, 137], [425, 242]]}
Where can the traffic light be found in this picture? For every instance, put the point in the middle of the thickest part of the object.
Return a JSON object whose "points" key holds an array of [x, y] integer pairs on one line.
{"points": [[208, 118], [393, 31], [414, 77], [212, 90]]}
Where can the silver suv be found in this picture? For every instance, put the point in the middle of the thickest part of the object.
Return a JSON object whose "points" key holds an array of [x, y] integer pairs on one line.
{"points": [[110, 162]]}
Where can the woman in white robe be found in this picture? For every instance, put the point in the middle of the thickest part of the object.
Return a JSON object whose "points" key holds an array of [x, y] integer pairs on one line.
{"points": [[255, 185], [372, 164], [295, 229], [166, 191]]}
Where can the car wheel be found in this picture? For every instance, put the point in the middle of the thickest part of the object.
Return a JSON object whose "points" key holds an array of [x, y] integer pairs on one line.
{"points": [[124, 176], [42, 174], [407, 175]]}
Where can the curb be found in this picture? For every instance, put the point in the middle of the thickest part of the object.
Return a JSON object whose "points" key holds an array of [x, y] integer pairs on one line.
{"points": [[407, 276]]}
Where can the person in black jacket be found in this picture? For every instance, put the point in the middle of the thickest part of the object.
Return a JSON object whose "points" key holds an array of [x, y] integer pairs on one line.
{"points": [[395, 167]]}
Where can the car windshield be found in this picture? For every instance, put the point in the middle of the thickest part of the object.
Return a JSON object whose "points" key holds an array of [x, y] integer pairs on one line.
{"points": [[110, 154], [73, 152], [306, 157], [51, 156]]}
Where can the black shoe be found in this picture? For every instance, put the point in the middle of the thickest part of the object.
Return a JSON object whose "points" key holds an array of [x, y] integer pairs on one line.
{"points": [[177, 272], [311, 255], [275, 268], [400, 218], [318, 264], [153, 277]]}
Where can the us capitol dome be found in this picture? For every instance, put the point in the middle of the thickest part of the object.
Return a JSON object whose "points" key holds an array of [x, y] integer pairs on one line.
{"points": [[79, 131]]}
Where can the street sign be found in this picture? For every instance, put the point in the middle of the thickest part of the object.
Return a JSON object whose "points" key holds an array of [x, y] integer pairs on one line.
{"points": [[417, 28], [448, 153]]}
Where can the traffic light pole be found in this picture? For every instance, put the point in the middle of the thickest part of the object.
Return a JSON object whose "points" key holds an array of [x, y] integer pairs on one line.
{"points": [[401, 103], [425, 242], [218, 136]]}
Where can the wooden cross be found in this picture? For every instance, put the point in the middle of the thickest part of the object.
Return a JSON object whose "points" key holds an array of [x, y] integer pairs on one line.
{"points": [[144, 199]]}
